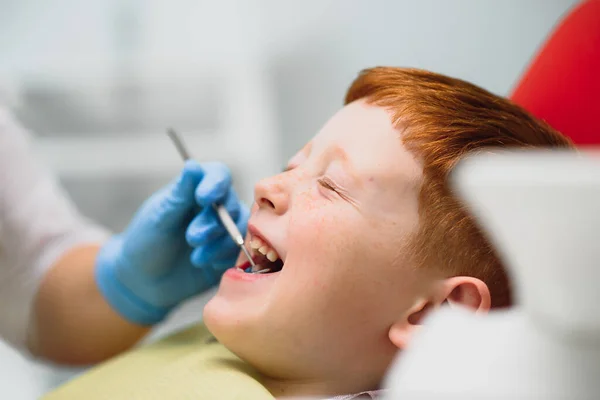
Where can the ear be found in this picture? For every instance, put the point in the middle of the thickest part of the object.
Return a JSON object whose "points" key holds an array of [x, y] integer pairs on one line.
{"points": [[466, 291], [403, 330], [458, 291]]}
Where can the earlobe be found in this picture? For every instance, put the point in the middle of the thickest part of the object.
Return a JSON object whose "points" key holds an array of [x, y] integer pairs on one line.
{"points": [[400, 336], [403, 330]]}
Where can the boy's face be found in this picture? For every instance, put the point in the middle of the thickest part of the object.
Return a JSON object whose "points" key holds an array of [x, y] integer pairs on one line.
{"points": [[339, 218]]}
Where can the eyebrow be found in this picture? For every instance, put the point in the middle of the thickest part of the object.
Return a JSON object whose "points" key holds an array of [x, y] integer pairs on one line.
{"points": [[338, 153], [305, 150]]}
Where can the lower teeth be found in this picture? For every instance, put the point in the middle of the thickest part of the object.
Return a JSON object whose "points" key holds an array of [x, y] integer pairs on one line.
{"points": [[250, 271]]}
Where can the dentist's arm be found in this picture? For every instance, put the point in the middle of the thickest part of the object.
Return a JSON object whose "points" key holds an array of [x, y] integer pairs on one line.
{"points": [[71, 321], [98, 300], [73, 293]]}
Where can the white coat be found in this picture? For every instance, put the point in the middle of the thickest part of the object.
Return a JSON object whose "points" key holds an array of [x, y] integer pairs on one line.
{"points": [[38, 224]]}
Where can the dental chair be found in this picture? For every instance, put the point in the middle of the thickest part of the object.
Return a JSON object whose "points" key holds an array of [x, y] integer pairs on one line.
{"points": [[562, 84]]}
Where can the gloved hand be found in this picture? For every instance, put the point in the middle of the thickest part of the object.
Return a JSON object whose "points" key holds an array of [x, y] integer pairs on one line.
{"points": [[174, 247]]}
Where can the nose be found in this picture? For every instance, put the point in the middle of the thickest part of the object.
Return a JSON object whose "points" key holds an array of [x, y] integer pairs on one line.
{"points": [[271, 193]]}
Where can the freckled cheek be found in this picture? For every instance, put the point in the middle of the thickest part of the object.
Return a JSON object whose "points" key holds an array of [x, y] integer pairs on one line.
{"points": [[308, 231], [322, 242], [310, 215]]}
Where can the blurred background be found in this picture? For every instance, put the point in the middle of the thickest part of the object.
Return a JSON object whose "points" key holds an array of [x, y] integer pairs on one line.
{"points": [[245, 82]]}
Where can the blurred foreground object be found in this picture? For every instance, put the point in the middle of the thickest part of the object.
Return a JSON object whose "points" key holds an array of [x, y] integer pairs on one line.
{"points": [[542, 213], [562, 83]]}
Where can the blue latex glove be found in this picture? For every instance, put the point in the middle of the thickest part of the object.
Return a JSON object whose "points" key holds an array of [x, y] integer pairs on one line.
{"points": [[174, 247]]}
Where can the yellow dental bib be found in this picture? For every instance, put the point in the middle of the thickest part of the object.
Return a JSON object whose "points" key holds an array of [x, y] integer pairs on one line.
{"points": [[187, 365]]}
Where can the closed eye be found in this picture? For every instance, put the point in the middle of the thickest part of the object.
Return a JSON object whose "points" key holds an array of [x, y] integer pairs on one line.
{"points": [[328, 184]]}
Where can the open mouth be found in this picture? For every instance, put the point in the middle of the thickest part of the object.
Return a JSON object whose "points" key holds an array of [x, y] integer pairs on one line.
{"points": [[264, 266], [265, 257]]}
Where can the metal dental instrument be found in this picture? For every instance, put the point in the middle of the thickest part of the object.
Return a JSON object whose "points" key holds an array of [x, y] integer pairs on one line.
{"points": [[224, 216]]}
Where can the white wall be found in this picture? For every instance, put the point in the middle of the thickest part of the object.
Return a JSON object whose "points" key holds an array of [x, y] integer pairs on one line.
{"points": [[312, 48], [317, 47], [300, 55]]}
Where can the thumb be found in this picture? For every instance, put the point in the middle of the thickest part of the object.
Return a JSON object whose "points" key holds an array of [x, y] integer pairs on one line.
{"points": [[215, 184], [178, 200]]}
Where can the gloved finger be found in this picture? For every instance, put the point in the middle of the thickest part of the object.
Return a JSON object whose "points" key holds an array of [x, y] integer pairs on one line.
{"points": [[206, 226], [197, 260], [227, 251], [178, 201], [220, 250], [238, 211], [186, 280], [214, 184], [232, 203], [237, 208]]}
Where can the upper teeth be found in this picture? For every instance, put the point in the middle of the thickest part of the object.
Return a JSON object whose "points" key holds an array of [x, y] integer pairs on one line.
{"points": [[264, 249]]}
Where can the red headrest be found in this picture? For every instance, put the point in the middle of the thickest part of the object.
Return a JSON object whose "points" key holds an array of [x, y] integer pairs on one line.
{"points": [[562, 85]]}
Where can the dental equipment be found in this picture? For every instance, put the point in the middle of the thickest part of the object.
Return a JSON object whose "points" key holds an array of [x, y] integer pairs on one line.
{"points": [[222, 213]]}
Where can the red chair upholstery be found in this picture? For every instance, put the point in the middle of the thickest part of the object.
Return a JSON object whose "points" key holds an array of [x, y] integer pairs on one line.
{"points": [[562, 84]]}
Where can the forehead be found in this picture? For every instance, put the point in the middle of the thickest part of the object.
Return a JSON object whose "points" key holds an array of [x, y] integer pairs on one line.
{"points": [[371, 144]]}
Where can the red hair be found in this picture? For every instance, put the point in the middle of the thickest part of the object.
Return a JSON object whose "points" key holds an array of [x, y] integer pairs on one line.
{"points": [[442, 119]]}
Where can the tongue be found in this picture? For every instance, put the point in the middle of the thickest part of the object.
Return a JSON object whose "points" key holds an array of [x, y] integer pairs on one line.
{"points": [[261, 261]]}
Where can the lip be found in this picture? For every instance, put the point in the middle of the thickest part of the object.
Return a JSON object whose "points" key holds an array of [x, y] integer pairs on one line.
{"points": [[254, 231]]}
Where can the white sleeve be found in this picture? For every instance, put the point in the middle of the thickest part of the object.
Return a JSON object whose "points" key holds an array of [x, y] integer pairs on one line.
{"points": [[38, 223]]}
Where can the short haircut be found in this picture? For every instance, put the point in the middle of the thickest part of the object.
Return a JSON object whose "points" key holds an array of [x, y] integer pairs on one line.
{"points": [[441, 119]]}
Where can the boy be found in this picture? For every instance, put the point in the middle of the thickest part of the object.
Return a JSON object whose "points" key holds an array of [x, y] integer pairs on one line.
{"points": [[360, 237]]}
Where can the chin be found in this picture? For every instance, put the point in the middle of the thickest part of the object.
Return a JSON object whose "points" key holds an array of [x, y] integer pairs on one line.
{"points": [[235, 330], [213, 314], [224, 326], [225, 321]]}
